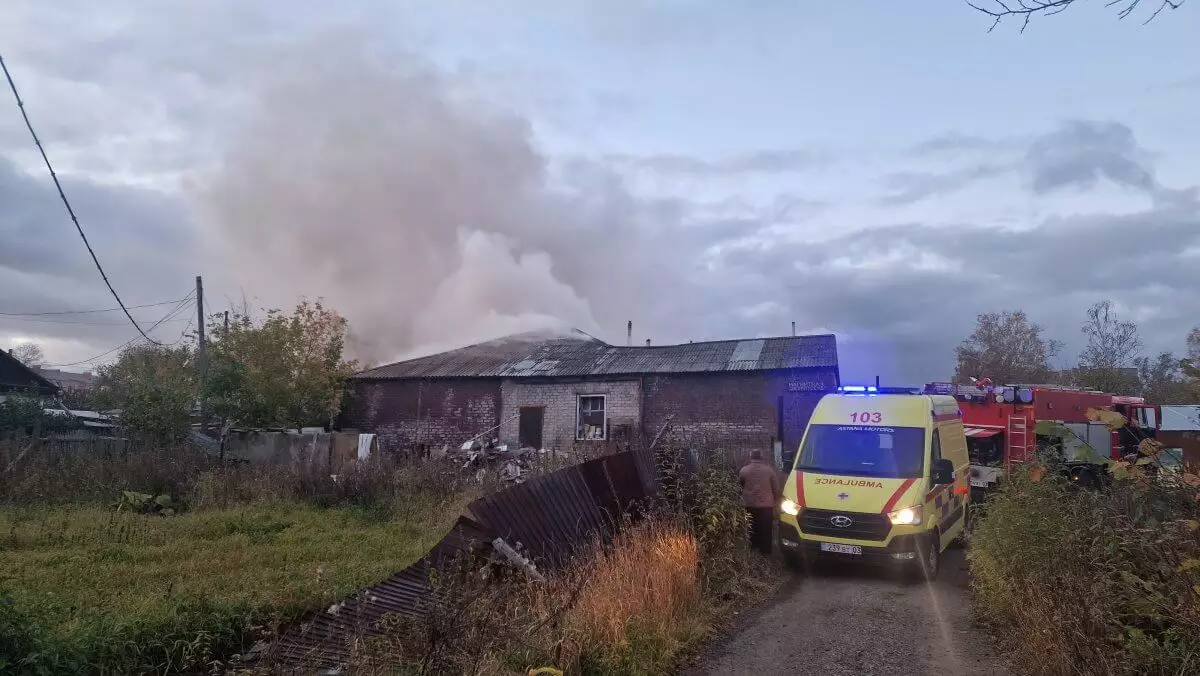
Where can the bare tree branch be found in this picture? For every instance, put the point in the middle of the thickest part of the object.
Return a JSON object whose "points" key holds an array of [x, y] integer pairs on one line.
{"points": [[1027, 9]]}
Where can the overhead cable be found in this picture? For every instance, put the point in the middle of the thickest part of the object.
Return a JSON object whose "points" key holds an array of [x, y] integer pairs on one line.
{"points": [[21, 104], [84, 312], [185, 304]]}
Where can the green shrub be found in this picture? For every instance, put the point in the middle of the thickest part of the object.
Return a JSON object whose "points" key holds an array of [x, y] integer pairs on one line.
{"points": [[1095, 581]]}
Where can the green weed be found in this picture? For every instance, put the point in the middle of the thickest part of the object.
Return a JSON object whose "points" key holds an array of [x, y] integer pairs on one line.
{"points": [[1092, 581]]}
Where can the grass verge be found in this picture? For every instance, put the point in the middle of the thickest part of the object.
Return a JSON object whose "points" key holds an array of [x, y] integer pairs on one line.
{"points": [[98, 590], [85, 588]]}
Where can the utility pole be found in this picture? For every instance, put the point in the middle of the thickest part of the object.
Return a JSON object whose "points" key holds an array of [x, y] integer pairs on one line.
{"points": [[227, 321], [201, 352], [200, 345]]}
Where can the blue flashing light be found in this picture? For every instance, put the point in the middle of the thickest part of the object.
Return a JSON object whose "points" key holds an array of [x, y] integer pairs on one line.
{"points": [[852, 388]]}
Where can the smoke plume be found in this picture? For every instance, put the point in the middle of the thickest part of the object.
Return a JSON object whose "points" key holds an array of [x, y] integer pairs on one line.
{"points": [[426, 216]]}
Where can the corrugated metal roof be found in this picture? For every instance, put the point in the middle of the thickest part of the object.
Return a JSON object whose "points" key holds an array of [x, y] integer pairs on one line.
{"points": [[532, 355], [1180, 418]]}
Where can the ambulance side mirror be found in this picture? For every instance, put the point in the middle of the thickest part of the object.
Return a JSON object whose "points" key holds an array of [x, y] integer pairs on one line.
{"points": [[943, 472]]}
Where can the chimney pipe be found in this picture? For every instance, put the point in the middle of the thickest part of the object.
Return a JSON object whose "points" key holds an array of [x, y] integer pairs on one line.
{"points": [[793, 329], [647, 342], [629, 334]]}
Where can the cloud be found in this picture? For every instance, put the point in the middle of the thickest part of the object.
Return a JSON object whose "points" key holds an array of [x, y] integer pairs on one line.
{"points": [[1076, 154], [958, 144], [1080, 153], [909, 187], [143, 239], [913, 290], [751, 162], [420, 202]]}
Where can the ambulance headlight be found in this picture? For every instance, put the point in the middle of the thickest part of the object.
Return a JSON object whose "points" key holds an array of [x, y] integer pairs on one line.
{"points": [[789, 507], [909, 516]]}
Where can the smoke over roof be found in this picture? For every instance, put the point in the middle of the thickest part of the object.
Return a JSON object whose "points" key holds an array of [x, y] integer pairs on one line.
{"points": [[424, 215]]}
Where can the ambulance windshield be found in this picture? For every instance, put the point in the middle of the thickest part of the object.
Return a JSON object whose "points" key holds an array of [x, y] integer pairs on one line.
{"points": [[858, 450]]}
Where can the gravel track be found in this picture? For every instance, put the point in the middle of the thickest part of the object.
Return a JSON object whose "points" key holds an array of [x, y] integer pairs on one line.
{"points": [[855, 620]]}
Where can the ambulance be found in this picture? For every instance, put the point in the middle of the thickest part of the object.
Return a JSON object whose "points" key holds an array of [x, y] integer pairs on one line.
{"points": [[881, 476]]}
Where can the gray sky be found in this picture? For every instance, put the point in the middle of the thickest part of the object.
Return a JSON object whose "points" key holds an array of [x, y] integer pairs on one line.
{"points": [[709, 170]]}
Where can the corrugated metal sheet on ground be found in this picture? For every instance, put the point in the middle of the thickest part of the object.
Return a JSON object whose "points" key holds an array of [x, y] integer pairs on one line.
{"points": [[533, 355], [550, 516]]}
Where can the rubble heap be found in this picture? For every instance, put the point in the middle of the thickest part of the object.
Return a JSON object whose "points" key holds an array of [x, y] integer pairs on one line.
{"points": [[512, 464]]}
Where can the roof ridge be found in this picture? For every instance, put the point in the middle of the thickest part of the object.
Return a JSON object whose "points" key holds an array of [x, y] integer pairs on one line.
{"points": [[566, 356], [586, 337], [724, 340]]}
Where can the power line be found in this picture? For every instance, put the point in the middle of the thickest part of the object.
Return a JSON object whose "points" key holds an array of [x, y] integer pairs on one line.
{"points": [[182, 334], [68, 321], [184, 304], [83, 312], [129, 342], [21, 104]]}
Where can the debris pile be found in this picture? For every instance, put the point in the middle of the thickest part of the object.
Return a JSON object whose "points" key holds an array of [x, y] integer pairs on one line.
{"points": [[511, 464]]}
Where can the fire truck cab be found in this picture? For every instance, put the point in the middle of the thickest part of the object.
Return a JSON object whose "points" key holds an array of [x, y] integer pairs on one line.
{"points": [[1006, 425]]}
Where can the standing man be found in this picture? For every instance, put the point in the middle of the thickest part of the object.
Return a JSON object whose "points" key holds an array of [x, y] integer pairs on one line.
{"points": [[761, 494]]}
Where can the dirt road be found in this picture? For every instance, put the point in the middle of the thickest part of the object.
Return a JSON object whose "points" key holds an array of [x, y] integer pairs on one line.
{"points": [[858, 621]]}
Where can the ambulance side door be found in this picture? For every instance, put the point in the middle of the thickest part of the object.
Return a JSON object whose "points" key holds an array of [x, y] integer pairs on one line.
{"points": [[954, 449], [934, 499]]}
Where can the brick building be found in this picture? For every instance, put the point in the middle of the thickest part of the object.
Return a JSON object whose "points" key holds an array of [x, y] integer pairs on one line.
{"points": [[559, 391], [70, 381]]}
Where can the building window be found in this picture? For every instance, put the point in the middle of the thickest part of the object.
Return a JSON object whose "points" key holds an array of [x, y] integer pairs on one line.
{"points": [[591, 422]]}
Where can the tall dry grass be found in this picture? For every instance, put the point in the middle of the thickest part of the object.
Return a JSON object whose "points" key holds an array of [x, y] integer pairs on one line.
{"points": [[626, 607], [644, 591], [634, 604]]}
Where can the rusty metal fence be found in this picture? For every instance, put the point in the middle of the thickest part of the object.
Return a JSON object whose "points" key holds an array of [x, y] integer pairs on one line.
{"points": [[547, 518]]}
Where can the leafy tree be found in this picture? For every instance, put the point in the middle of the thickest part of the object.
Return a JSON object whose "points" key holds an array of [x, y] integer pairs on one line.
{"points": [[1006, 347], [286, 371], [29, 354], [80, 399], [1191, 365], [155, 388], [1162, 380], [1108, 360]]}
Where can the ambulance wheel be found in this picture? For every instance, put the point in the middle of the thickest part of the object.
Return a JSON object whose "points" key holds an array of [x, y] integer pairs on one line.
{"points": [[929, 559], [793, 561], [964, 535]]}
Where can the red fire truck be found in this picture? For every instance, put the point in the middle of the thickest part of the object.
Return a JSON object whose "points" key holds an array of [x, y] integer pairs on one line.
{"points": [[1008, 424]]}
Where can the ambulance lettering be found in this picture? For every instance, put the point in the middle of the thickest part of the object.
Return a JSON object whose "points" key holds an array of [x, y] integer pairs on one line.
{"points": [[848, 482]]}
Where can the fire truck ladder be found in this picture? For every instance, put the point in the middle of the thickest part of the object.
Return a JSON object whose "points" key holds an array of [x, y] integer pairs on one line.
{"points": [[1018, 440]]}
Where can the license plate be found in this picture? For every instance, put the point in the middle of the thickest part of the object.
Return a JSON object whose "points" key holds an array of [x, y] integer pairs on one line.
{"points": [[841, 549], [979, 483]]}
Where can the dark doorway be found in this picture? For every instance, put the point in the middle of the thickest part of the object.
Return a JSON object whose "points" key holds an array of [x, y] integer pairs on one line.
{"points": [[529, 429], [794, 411]]}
